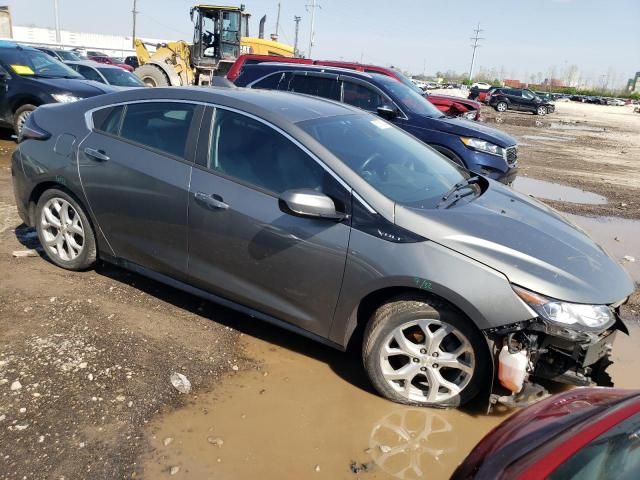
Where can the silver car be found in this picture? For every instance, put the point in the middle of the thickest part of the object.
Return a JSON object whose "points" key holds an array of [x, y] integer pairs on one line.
{"points": [[329, 221]]}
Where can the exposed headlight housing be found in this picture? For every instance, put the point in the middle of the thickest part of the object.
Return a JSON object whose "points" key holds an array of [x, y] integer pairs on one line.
{"points": [[591, 317], [65, 97], [483, 146], [470, 115]]}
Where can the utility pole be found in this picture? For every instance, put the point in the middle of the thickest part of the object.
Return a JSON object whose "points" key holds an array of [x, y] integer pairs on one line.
{"points": [[55, 11], [424, 67], [296, 19], [476, 37], [135, 13], [313, 7], [278, 21]]}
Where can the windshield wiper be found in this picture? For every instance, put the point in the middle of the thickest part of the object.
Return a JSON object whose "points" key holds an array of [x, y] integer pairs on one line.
{"points": [[468, 183]]}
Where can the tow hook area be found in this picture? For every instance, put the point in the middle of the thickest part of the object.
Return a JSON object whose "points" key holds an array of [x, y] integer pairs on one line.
{"points": [[530, 393]]}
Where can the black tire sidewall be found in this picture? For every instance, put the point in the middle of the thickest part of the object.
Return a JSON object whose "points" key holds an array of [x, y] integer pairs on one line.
{"points": [[389, 317], [24, 108], [87, 257]]}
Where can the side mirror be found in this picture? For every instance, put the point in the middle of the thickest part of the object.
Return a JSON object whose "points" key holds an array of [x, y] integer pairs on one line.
{"points": [[387, 111], [309, 203], [4, 76]]}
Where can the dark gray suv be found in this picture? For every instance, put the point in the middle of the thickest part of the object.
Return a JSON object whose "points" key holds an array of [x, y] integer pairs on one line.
{"points": [[330, 221]]}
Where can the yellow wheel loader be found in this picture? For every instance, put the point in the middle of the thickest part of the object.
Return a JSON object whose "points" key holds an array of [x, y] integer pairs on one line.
{"points": [[221, 34]]}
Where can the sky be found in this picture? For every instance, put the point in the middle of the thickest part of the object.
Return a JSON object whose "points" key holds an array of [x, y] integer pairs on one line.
{"points": [[521, 37]]}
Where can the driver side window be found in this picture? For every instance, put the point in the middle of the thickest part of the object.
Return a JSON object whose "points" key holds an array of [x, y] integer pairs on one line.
{"points": [[362, 97], [256, 154]]}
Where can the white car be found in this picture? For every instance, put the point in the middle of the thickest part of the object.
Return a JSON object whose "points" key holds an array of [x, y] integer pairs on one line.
{"points": [[481, 85]]}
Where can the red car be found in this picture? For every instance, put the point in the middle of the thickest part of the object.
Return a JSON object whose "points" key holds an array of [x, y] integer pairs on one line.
{"points": [[111, 61], [451, 106], [585, 433]]}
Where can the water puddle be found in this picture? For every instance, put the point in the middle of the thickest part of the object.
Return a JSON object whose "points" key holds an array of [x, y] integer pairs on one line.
{"points": [[545, 138], [556, 191], [619, 236], [580, 128]]}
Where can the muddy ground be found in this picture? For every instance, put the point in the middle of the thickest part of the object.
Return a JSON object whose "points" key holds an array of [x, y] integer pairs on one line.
{"points": [[85, 358]]}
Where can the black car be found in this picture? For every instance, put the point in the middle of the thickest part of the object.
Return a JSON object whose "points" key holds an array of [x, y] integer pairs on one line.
{"points": [[470, 144], [132, 61], [503, 99], [30, 77], [59, 54]]}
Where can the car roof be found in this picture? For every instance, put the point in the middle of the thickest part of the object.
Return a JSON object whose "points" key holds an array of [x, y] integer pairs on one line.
{"points": [[10, 44], [269, 104], [311, 68], [91, 63]]}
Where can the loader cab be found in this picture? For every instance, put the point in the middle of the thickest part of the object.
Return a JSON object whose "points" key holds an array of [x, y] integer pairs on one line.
{"points": [[217, 33]]}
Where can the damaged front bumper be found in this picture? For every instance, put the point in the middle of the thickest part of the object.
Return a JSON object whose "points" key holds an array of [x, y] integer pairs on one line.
{"points": [[555, 354]]}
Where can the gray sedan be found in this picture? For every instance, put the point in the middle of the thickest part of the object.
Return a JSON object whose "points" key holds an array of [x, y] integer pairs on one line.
{"points": [[109, 74], [329, 221]]}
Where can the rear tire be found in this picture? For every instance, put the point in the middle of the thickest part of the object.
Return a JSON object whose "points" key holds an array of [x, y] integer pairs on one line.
{"points": [[64, 231], [20, 117], [403, 361], [501, 107], [152, 76]]}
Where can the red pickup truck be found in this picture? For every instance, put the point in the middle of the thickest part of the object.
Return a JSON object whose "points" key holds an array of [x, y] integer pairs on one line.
{"points": [[449, 105]]}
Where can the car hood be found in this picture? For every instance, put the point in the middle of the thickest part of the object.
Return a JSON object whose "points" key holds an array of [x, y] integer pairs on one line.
{"points": [[76, 86], [468, 128], [531, 244]]}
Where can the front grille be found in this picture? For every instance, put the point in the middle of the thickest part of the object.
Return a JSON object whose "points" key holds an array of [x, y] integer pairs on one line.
{"points": [[512, 155]]}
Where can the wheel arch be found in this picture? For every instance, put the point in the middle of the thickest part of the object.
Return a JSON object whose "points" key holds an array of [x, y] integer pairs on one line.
{"points": [[22, 100], [450, 154]]}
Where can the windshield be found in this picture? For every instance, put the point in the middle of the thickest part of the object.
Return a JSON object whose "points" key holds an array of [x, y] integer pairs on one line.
{"points": [[120, 77], [68, 56], [35, 63], [398, 165], [408, 98]]}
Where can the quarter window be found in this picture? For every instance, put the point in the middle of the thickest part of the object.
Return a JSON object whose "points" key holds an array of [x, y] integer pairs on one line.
{"points": [[317, 86], [269, 83], [256, 154], [160, 125], [362, 97], [108, 120], [89, 73]]}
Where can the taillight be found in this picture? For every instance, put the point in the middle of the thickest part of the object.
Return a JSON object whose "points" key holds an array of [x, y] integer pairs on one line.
{"points": [[31, 131]]}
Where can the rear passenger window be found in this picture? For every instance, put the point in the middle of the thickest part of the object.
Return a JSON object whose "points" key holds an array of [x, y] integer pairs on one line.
{"points": [[108, 120], [317, 86], [269, 83], [160, 125]]}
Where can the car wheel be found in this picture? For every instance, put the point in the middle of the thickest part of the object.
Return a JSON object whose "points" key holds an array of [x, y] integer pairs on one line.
{"points": [[20, 117], [541, 111], [548, 111], [501, 106], [425, 353], [64, 231]]}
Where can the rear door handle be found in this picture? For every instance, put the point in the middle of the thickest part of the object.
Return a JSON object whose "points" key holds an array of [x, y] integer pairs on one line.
{"points": [[97, 154], [212, 201]]}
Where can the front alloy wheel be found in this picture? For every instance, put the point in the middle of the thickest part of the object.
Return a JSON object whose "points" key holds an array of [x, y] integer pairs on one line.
{"points": [[425, 352], [501, 107], [541, 111], [427, 360]]}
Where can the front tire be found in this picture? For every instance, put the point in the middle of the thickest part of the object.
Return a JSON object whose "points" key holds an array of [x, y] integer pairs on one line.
{"points": [[20, 117], [541, 111], [501, 107], [425, 353], [64, 231]]}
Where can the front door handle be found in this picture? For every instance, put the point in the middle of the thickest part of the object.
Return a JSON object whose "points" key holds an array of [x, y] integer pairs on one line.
{"points": [[97, 154], [212, 201]]}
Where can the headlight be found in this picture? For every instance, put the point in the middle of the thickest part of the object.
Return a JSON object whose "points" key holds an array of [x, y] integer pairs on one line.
{"points": [[483, 146], [576, 314], [65, 97], [469, 115]]}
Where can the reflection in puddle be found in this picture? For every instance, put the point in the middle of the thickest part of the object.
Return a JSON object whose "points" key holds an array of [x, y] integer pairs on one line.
{"points": [[619, 236], [581, 128], [555, 191]]}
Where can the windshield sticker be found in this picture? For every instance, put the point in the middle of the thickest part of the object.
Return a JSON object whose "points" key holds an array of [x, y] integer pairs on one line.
{"points": [[22, 70], [380, 124]]}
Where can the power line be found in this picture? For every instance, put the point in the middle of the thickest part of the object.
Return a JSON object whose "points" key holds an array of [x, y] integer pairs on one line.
{"points": [[475, 39]]}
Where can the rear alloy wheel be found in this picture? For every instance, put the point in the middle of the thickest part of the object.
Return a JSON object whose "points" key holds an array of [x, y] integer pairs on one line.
{"points": [[501, 107], [20, 117], [420, 354], [541, 110], [64, 231]]}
